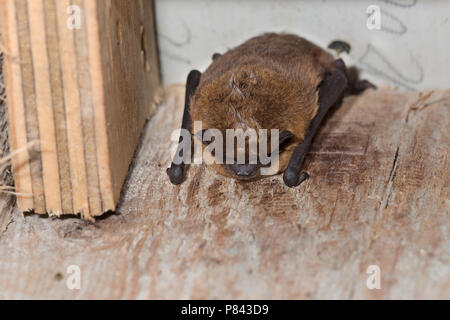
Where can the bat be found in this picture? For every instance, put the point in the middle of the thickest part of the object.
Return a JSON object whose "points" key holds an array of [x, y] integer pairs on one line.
{"points": [[272, 81]]}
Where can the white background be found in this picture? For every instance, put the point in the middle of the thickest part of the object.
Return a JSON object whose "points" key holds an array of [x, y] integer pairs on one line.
{"points": [[411, 50]]}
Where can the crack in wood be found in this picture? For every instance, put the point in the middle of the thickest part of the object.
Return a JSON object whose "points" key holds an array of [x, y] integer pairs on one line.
{"points": [[5, 228], [391, 176]]}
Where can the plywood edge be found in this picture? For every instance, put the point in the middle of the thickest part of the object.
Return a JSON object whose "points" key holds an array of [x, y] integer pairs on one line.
{"points": [[16, 109], [98, 100], [67, 96]]}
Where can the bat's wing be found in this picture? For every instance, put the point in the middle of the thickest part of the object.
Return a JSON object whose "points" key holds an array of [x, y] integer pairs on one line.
{"points": [[177, 169], [331, 91]]}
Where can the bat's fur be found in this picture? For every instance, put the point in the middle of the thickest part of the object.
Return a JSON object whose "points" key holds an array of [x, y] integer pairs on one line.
{"points": [[269, 82]]}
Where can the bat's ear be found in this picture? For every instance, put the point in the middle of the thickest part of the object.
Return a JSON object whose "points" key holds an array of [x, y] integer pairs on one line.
{"points": [[284, 138]]}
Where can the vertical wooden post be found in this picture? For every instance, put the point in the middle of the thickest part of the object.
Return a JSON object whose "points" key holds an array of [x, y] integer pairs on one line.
{"points": [[82, 93]]}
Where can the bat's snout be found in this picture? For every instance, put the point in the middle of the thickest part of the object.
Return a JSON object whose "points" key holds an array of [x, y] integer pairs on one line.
{"points": [[244, 170]]}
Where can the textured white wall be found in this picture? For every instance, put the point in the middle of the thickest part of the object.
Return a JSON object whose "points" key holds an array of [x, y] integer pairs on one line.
{"points": [[411, 50]]}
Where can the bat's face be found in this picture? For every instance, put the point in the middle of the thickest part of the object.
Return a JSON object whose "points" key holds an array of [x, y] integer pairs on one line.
{"points": [[246, 155], [249, 100]]}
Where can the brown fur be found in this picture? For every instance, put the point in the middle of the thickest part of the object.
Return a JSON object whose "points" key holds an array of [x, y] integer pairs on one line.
{"points": [[268, 82]]}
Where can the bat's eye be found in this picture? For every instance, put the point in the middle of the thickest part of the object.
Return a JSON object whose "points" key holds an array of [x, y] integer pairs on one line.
{"points": [[284, 139]]}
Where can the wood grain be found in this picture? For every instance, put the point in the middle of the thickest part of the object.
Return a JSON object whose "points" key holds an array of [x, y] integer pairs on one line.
{"points": [[378, 195], [83, 94]]}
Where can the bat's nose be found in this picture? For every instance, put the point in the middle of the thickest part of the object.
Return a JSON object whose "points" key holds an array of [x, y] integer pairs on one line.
{"points": [[244, 170]]}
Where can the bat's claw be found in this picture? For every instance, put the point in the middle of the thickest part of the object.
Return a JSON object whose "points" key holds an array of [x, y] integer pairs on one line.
{"points": [[176, 174], [293, 179]]}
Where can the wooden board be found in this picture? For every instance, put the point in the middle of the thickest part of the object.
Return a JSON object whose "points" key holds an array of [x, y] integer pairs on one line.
{"points": [[82, 95], [378, 195]]}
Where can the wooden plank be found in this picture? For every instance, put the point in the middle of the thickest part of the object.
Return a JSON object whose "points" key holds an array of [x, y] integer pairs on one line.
{"points": [[87, 116], [84, 94], [57, 91], [44, 106], [130, 35], [17, 134], [378, 195], [71, 89]]}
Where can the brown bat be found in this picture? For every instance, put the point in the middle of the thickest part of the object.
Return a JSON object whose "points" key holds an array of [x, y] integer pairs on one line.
{"points": [[273, 81]]}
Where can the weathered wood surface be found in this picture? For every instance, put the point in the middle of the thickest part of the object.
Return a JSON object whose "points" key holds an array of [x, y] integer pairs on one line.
{"points": [[7, 200], [81, 94], [378, 195]]}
